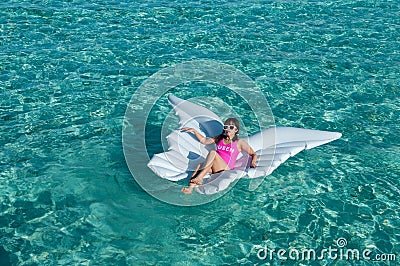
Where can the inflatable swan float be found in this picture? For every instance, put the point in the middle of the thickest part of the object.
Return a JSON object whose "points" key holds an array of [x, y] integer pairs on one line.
{"points": [[273, 147]]}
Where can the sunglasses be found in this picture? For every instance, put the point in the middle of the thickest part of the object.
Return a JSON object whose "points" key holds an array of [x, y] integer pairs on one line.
{"points": [[231, 127]]}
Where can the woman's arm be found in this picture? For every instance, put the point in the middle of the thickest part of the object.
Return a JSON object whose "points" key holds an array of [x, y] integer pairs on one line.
{"points": [[200, 137], [244, 146]]}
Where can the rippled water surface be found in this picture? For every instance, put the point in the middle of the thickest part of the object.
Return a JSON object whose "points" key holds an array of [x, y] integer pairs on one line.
{"points": [[68, 71]]}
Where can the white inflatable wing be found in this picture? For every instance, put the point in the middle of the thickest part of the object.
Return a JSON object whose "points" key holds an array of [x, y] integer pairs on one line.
{"points": [[275, 145], [196, 116], [185, 152]]}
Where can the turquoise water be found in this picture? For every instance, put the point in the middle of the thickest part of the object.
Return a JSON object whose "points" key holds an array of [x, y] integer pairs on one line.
{"points": [[68, 71]]}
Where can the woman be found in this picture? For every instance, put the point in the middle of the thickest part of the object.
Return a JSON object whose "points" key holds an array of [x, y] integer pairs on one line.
{"points": [[228, 146]]}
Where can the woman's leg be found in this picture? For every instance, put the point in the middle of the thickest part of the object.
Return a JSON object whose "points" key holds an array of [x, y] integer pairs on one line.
{"points": [[196, 171], [213, 163]]}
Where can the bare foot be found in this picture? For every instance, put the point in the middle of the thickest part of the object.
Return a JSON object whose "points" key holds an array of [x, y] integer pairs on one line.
{"points": [[196, 181], [187, 190]]}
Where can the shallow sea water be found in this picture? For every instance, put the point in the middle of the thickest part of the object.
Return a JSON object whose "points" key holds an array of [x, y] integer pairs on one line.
{"points": [[68, 71]]}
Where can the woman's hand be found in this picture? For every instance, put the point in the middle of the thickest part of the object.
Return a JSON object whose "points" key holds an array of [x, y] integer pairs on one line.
{"points": [[200, 137], [253, 163], [188, 129]]}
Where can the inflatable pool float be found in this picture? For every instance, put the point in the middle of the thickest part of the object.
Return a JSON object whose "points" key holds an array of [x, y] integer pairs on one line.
{"points": [[273, 147]]}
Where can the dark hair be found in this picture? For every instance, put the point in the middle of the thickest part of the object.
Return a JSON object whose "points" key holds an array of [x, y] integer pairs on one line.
{"points": [[228, 121]]}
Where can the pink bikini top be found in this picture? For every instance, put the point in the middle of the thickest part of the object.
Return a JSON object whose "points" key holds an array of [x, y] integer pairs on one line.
{"points": [[228, 152]]}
